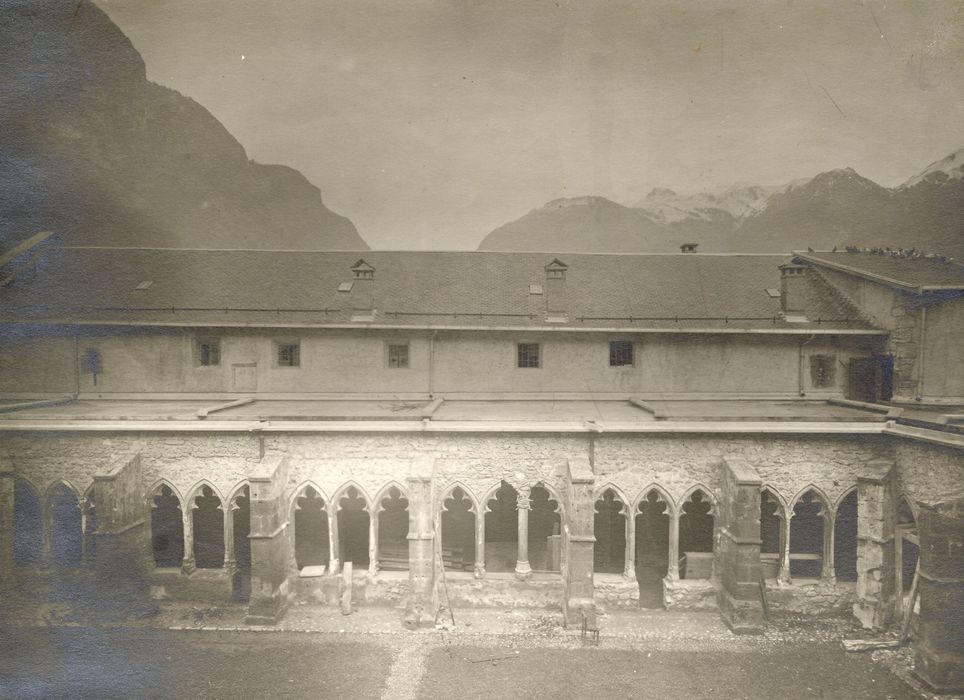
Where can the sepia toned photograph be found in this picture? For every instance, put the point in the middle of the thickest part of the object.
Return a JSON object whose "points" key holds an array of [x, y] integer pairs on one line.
{"points": [[456, 349]]}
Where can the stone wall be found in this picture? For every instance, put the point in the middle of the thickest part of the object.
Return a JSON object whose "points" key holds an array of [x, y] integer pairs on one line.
{"points": [[812, 597]]}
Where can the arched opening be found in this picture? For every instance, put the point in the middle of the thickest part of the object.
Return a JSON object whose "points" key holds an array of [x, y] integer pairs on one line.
{"points": [[696, 536], [845, 539], [312, 545], [90, 527], [652, 548], [545, 548], [167, 528], [241, 520], [907, 545], [27, 525], [458, 532], [502, 530], [353, 524], [393, 532], [208, 530], [66, 529], [771, 534], [609, 527], [806, 537]]}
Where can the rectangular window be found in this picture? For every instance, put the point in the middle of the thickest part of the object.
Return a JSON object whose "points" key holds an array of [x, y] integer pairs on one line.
{"points": [[528, 354], [208, 352], [289, 354], [620, 353], [822, 371], [398, 355]]}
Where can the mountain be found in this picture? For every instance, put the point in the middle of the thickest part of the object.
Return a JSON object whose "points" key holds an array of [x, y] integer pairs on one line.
{"points": [[563, 225], [92, 149], [835, 208]]}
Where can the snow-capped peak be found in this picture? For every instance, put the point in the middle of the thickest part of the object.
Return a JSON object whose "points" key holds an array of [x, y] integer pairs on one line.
{"points": [[950, 167]]}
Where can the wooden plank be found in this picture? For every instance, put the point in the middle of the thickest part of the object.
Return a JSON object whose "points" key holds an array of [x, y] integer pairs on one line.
{"points": [[205, 412], [869, 644], [346, 588], [40, 403], [909, 612]]}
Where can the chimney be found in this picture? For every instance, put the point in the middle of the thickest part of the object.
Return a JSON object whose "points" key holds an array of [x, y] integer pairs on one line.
{"points": [[361, 291], [688, 248], [556, 302], [793, 288]]}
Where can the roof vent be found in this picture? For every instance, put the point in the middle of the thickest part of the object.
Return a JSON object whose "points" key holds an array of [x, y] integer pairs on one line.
{"points": [[557, 305], [345, 286], [361, 292], [688, 248], [535, 289], [772, 293], [146, 284]]}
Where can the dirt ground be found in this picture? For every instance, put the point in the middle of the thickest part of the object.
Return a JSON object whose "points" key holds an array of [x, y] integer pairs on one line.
{"points": [[319, 653]]}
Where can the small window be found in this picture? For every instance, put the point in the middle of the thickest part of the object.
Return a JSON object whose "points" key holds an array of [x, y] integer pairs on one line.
{"points": [[289, 355], [528, 354], [822, 371], [398, 355], [620, 353], [208, 352]]}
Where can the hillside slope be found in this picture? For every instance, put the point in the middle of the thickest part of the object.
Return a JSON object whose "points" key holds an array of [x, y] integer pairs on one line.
{"points": [[93, 150]]}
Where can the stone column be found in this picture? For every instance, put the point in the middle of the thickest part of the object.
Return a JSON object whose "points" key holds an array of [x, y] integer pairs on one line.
{"points": [[419, 609], [479, 571], [270, 541], [737, 558], [334, 551], [784, 574], [939, 660], [630, 569], [522, 568], [122, 540], [7, 559], [579, 543], [230, 565], [827, 571], [188, 564], [875, 546], [373, 540], [672, 568]]}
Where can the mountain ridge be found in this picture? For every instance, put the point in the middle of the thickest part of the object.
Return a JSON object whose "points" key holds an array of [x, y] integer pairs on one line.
{"points": [[837, 207], [106, 157]]}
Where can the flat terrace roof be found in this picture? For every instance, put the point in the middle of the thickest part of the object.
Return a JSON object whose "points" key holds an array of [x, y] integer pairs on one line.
{"points": [[601, 412]]}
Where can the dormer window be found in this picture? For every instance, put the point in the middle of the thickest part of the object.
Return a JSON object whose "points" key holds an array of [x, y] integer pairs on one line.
{"points": [[556, 269], [361, 270]]}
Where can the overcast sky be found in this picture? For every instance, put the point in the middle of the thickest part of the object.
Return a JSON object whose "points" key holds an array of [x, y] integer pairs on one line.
{"points": [[430, 123]]}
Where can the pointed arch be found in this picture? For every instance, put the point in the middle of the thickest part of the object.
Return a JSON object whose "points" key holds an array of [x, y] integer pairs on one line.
{"points": [[49, 492], [769, 488], [446, 494], [818, 493], [155, 489], [702, 488], [385, 491], [810, 533], [197, 490], [663, 494], [840, 499], [458, 526], [343, 490], [911, 507], [234, 492], [553, 496], [617, 492], [300, 490], [490, 494]]}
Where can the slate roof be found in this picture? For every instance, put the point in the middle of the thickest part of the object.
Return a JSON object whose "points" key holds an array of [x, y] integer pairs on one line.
{"points": [[476, 289], [914, 273]]}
